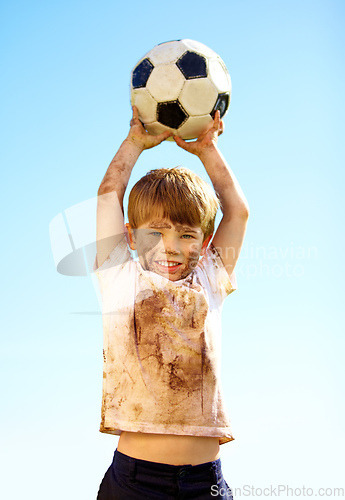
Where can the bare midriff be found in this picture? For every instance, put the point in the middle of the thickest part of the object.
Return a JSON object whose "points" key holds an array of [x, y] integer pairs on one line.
{"points": [[168, 448]]}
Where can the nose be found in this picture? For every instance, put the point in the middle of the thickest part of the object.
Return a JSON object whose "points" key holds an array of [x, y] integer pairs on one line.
{"points": [[171, 246]]}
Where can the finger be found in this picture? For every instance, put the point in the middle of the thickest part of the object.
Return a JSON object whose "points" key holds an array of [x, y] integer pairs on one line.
{"points": [[221, 127], [182, 144], [216, 120], [162, 137], [135, 112], [135, 118], [212, 126]]}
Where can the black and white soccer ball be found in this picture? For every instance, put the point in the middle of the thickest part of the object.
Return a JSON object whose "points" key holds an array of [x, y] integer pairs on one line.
{"points": [[178, 86]]}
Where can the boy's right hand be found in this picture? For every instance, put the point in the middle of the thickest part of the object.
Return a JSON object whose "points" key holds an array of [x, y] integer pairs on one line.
{"points": [[140, 138]]}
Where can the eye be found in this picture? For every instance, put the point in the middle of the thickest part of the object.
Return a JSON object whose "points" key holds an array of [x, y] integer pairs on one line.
{"points": [[187, 236], [155, 233]]}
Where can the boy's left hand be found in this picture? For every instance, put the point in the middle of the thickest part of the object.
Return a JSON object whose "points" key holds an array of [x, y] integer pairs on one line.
{"points": [[205, 141]]}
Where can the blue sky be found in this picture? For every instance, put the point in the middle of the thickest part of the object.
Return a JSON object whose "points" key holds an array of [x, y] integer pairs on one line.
{"points": [[65, 111]]}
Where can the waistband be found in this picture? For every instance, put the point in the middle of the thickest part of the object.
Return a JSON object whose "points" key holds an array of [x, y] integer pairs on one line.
{"points": [[122, 460]]}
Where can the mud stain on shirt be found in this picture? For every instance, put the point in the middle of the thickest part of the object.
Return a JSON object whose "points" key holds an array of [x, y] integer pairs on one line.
{"points": [[171, 346]]}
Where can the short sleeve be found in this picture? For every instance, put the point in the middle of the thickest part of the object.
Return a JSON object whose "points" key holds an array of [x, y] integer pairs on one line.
{"points": [[113, 277], [219, 282]]}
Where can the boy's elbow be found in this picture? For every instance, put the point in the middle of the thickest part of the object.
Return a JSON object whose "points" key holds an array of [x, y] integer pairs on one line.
{"points": [[241, 211], [245, 211], [238, 213], [238, 208]]}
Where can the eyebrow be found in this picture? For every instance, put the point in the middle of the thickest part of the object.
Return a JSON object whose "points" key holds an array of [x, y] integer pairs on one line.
{"points": [[166, 225], [159, 225], [186, 229]]}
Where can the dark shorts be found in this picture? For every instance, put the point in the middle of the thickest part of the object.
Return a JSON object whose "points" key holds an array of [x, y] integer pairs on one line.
{"points": [[131, 479]]}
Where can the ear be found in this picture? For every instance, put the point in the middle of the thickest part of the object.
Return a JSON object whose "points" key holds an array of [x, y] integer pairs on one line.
{"points": [[204, 245], [131, 237]]}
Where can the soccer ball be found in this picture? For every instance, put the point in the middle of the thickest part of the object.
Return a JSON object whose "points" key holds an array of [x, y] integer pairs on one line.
{"points": [[179, 86]]}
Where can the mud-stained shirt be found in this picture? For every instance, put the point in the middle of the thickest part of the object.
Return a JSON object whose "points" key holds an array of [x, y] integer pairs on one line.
{"points": [[162, 343]]}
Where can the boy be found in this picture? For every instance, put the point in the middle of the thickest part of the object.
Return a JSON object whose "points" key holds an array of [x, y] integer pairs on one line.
{"points": [[161, 318]]}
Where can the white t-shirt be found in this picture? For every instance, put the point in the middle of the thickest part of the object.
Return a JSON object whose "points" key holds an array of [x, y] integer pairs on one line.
{"points": [[162, 344]]}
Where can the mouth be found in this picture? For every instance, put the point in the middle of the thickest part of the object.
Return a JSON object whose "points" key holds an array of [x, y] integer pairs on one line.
{"points": [[168, 266]]}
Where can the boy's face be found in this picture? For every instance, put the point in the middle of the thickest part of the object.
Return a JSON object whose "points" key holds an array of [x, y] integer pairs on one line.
{"points": [[169, 250]]}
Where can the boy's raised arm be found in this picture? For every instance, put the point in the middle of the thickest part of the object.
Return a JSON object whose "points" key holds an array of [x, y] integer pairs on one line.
{"points": [[229, 236], [110, 222]]}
